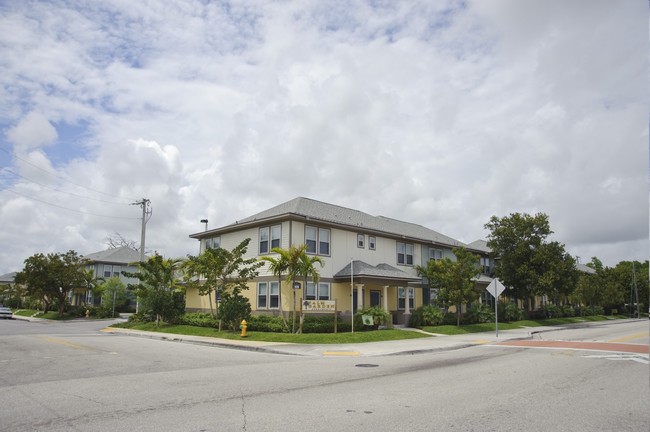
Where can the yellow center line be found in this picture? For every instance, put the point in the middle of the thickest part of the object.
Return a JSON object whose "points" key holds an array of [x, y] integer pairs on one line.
{"points": [[341, 353], [631, 337], [481, 341], [64, 343]]}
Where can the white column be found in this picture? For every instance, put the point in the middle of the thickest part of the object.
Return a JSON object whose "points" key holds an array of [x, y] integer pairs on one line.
{"points": [[360, 296], [407, 306], [385, 299]]}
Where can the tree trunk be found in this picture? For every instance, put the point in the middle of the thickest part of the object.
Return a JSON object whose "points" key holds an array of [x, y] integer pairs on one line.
{"points": [[458, 315]]}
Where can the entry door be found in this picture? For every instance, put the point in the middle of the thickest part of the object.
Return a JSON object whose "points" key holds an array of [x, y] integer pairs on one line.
{"points": [[375, 298], [355, 306]]}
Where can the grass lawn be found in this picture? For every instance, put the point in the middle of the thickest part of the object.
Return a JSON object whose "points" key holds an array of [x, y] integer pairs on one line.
{"points": [[25, 312], [307, 338], [486, 327]]}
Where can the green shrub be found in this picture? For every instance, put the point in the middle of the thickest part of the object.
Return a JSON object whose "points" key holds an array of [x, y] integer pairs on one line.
{"points": [[199, 319], [233, 309], [426, 315], [479, 313], [551, 311], [511, 312], [568, 311], [267, 323], [379, 314]]}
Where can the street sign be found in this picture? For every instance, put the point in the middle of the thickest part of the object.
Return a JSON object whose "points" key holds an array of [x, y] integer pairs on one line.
{"points": [[495, 288]]}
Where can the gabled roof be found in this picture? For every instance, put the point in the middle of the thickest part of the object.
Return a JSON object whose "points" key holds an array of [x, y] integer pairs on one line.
{"points": [[119, 255], [381, 271], [8, 278], [332, 214], [585, 269], [480, 245]]}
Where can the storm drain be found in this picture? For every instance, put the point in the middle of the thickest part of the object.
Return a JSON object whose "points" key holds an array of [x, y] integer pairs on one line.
{"points": [[366, 365]]}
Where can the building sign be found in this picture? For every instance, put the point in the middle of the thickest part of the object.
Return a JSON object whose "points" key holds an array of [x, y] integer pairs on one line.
{"points": [[319, 306]]}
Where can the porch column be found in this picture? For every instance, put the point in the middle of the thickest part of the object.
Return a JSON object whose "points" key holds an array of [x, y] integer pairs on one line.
{"points": [[385, 297], [359, 296], [407, 306]]}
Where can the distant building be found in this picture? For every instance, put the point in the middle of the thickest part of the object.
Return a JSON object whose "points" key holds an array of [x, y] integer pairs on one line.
{"points": [[107, 264]]}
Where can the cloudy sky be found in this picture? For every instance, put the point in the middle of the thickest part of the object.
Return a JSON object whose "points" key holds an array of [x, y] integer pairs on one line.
{"points": [[441, 113]]}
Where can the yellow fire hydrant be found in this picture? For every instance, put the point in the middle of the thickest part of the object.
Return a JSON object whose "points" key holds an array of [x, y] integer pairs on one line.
{"points": [[243, 327]]}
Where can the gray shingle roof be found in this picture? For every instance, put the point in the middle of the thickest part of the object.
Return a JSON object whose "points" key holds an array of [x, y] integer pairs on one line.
{"points": [[119, 255], [320, 211], [8, 278], [381, 271], [480, 245]]}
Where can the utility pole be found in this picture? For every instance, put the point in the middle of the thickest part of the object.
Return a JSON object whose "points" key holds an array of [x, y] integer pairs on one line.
{"points": [[146, 215]]}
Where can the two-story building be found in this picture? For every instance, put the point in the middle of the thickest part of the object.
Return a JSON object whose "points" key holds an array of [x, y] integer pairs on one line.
{"points": [[105, 265], [367, 260]]}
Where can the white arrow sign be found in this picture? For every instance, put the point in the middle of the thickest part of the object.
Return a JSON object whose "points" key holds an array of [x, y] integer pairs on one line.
{"points": [[495, 288]]}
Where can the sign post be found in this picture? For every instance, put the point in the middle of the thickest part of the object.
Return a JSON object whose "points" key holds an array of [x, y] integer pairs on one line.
{"points": [[496, 288]]}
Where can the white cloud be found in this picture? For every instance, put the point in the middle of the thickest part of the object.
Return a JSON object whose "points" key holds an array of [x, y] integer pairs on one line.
{"points": [[440, 113], [32, 131]]}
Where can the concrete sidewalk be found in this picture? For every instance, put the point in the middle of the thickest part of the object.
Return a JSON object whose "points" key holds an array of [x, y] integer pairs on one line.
{"points": [[368, 349]]}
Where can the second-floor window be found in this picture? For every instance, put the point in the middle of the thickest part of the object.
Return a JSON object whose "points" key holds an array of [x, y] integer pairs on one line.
{"points": [[317, 240], [435, 254], [213, 243], [269, 238], [485, 265], [372, 243], [361, 241], [404, 253], [112, 270]]}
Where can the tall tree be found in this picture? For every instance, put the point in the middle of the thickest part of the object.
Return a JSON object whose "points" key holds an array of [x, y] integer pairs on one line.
{"points": [[53, 277], [159, 287], [221, 271], [527, 264], [455, 280]]}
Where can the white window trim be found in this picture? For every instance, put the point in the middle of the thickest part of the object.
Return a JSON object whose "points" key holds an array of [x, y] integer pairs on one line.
{"points": [[372, 242], [319, 241], [361, 241]]}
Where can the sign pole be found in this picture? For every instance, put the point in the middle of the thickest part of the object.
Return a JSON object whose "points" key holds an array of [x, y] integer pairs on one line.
{"points": [[496, 310]]}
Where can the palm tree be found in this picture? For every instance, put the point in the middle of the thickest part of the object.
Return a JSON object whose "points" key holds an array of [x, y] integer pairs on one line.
{"points": [[296, 263], [278, 265], [307, 269]]}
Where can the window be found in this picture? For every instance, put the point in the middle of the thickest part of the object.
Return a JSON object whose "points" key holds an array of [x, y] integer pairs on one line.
{"points": [[311, 238], [268, 295], [401, 297], [361, 241], [116, 270], [323, 241], [485, 265], [404, 253], [433, 295], [322, 294], [435, 254], [317, 240], [264, 240], [213, 243], [372, 242], [275, 236], [272, 233], [108, 270]]}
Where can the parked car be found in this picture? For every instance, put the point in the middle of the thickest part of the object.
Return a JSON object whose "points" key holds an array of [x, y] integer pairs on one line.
{"points": [[5, 312]]}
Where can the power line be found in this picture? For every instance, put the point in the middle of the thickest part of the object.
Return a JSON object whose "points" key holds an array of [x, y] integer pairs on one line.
{"points": [[69, 209], [57, 176], [62, 191]]}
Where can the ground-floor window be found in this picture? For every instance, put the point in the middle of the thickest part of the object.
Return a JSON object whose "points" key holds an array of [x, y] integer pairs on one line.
{"points": [[401, 298], [268, 295], [322, 292], [433, 295]]}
